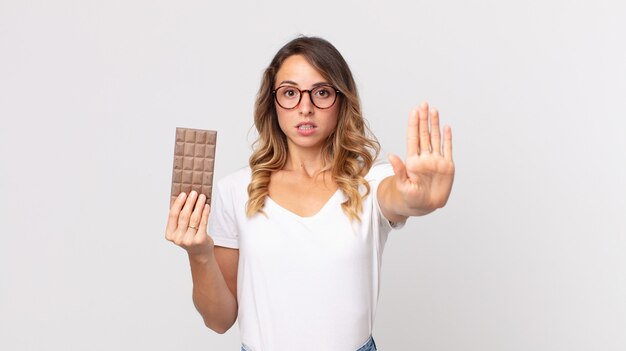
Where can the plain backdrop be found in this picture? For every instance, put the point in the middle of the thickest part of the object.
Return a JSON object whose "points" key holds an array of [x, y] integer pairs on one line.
{"points": [[529, 253]]}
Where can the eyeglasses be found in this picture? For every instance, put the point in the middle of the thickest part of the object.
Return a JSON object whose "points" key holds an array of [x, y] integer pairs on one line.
{"points": [[322, 97]]}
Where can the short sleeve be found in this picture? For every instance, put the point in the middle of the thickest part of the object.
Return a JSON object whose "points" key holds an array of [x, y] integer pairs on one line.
{"points": [[379, 171], [222, 219]]}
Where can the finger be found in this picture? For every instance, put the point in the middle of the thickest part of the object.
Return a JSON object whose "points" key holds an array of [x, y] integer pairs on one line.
{"points": [[447, 143], [435, 133], [186, 238], [185, 214], [172, 220], [194, 221], [399, 169], [412, 140], [205, 219], [424, 134], [187, 234]]}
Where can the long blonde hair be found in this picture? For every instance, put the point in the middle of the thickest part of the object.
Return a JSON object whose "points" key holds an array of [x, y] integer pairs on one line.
{"points": [[348, 152]]}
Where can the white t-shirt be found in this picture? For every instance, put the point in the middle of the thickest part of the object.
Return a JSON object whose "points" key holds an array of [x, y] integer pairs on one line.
{"points": [[303, 283]]}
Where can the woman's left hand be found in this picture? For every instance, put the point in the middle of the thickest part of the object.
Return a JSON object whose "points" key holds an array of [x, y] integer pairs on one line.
{"points": [[424, 180]]}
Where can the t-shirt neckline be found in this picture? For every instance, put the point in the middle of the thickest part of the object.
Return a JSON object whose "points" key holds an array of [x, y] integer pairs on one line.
{"points": [[331, 199]]}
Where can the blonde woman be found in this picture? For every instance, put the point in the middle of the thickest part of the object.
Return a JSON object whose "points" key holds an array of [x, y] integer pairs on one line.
{"points": [[293, 243]]}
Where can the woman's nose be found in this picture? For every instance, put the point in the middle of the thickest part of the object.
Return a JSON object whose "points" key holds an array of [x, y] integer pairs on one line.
{"points": [[306, 105]]}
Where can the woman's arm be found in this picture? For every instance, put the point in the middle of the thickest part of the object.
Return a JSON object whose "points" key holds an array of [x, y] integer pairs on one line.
{"points": [[213, 270], [423, 182], [215, 288]]}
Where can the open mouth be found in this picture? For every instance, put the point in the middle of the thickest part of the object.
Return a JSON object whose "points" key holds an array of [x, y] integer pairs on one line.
{"points": [[306, 126]]}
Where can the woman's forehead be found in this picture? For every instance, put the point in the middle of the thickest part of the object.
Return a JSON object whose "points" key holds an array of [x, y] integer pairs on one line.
{"points": [[297, 70]]}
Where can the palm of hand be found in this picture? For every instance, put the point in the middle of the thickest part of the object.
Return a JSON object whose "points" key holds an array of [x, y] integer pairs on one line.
{"points": [[425, 178]]}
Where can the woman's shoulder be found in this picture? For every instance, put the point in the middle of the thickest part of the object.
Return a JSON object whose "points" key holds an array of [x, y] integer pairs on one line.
{"points": [[236, 179], [381, 168]]}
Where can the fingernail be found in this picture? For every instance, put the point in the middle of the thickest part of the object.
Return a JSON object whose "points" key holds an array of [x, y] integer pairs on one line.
{"points": [[193, 193]]}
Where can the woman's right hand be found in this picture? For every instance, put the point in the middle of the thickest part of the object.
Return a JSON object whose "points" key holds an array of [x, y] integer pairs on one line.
{"points": [[187, 225]]}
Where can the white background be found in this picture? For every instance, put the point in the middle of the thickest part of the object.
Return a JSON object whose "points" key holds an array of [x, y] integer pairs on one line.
{"points": [[529, 253]]}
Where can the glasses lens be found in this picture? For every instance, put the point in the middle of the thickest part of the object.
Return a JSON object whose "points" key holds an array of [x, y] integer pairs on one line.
{"points": [[287, 97], [323, 96]]}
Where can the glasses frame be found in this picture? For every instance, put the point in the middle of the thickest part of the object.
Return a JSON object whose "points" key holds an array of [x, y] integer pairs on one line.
{"points": [[337, 92]]}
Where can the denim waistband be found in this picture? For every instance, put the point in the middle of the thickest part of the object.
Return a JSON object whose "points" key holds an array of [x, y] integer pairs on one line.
{"points": [[369, 345]]}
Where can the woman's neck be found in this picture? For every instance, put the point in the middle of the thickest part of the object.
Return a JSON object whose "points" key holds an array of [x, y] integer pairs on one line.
{"points": [[305, 161]]}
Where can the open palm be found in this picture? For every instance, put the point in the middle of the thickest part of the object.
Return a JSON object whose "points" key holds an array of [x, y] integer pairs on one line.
{"points": [[425, 178]]}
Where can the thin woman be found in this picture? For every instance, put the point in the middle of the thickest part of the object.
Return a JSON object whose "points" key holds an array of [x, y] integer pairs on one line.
{"points": [[294, 242]]}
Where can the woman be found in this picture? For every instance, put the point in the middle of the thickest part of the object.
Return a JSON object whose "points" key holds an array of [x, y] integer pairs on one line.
{"points": [[295, 240]]}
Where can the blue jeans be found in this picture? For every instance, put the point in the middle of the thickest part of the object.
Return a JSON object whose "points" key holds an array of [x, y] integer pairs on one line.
{"points": [[369, 345]]}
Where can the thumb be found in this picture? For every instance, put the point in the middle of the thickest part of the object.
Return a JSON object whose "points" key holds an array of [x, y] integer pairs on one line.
{"points": [[398, 167]]}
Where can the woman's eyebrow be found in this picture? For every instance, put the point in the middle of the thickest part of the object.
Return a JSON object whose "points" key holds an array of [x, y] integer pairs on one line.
{"points": [[288, 82], [296, 84]]}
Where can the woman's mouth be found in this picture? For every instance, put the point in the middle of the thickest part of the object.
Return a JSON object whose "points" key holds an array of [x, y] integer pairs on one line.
{"points": [[306, 128]]}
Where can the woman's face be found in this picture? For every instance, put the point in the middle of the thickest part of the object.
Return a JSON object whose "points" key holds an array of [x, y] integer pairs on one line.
{"points": [[305, 126]]}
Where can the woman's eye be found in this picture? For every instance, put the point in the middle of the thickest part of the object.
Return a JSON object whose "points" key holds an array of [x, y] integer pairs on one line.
{"points": [[290, 93], [322, 92]]}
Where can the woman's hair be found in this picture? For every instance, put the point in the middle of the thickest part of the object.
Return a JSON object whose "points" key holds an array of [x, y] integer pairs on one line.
{"points": [[349, 150]]}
